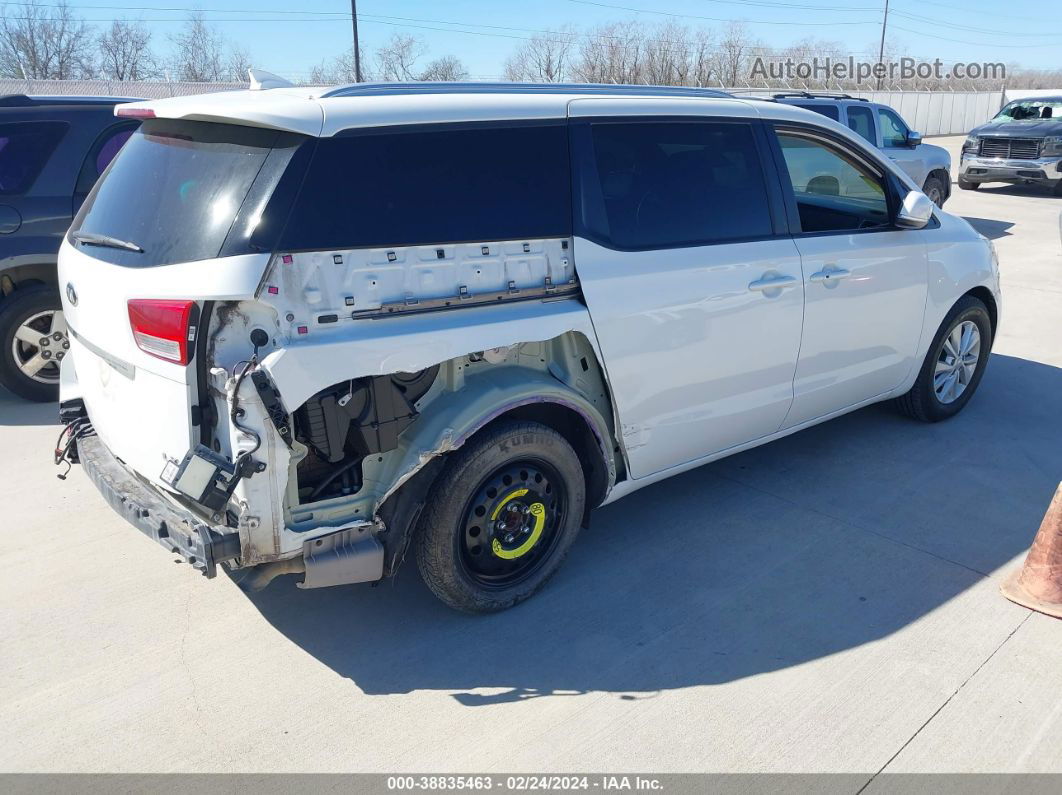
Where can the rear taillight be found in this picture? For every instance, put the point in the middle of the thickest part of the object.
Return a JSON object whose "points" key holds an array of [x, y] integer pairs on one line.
{"points": [[134, 113], [163, 328]]}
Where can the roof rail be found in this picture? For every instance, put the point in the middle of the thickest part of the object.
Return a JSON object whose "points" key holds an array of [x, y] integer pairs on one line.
{"points": [[817, 95], [27, 101], [385, 89]]}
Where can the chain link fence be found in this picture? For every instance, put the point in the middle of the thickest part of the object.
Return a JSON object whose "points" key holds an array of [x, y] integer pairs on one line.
{"points": [[112, 88]]}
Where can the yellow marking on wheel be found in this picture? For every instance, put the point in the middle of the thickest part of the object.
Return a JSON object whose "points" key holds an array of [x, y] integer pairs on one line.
{"points": [[510, 498], [538, 510]]}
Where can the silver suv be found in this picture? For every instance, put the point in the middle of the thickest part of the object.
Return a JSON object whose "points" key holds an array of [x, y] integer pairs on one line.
{"points": [[928, 165]]}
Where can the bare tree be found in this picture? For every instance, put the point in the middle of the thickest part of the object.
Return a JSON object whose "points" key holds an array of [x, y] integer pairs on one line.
{"points": [[735, 54], [447, 68], [611, 54], [199, 52], [703, 61], [44, 43], [125, 52], [339, 70], [543, 59], [238, 64], [396, 60]]}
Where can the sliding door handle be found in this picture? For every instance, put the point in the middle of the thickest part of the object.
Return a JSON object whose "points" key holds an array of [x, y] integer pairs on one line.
{"points": [[829, 276], [777, 282]]}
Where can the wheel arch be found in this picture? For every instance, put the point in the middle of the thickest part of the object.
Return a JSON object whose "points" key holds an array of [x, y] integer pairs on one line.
{"points": [[984, 295], [509, 394]]}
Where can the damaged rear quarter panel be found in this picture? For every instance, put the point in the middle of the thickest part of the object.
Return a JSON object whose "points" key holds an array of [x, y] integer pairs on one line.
{"points": [[546, 341]]}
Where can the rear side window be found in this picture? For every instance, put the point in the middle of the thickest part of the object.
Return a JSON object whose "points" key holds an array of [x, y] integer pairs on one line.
{"points": [[397, 187], [861, 120], [829, 111], [667, 184], [174, 190], [24, 149]]}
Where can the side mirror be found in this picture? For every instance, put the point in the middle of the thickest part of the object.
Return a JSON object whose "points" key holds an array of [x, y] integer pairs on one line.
{"points": [[913, 138], [916, 211]]}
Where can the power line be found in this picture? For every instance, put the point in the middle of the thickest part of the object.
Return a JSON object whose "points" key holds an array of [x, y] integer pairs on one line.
{"points": [[714, 19]]}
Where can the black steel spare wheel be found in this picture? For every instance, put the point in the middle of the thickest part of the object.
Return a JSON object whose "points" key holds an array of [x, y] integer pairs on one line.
{"points": [[510, 524], [500, 517]]}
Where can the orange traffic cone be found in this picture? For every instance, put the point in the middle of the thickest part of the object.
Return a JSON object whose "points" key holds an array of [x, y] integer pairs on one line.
{"points": [[1038, 585]]}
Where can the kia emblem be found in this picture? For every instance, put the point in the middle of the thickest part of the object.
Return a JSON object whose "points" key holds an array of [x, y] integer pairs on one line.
{"points": [[71, 294]]}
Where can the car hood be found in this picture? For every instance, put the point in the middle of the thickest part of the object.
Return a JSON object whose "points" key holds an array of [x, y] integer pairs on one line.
{"points": [[1031, 128]]}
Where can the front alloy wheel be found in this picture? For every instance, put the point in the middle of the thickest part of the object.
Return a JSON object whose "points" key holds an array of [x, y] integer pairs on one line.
{"points": [[954, 365], [957, 362]]}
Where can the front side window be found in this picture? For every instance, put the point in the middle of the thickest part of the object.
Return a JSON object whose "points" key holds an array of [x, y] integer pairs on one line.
{"points": [[24, 149], [833, 190], [462, 184], [893, 130], [666, 184], [861, 121]]}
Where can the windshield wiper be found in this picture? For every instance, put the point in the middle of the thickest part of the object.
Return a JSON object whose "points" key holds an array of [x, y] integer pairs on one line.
{"points": [[92, 239]]}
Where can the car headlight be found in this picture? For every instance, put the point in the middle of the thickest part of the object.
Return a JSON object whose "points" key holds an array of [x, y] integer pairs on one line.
{"points": [[1053, 145], [971, 143]]}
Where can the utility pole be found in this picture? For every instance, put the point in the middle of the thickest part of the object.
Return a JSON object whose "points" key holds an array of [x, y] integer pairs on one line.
{"points": [[881, 49], [357, 44]]}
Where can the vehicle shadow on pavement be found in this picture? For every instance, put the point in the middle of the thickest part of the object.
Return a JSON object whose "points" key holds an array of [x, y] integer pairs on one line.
{"points": [[1031, 191], [820, 542], [990, 227], [16, 411]]}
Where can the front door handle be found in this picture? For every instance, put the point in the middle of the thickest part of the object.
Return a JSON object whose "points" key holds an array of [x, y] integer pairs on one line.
{"points": [[829, 276], [778, 282]]}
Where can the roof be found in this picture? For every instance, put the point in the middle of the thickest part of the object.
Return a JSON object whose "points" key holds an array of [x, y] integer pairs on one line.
{"points": [[323, 111]]}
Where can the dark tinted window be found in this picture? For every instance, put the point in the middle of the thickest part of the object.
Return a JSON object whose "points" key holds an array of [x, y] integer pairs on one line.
{"points": [[679, 183], [829, 111], [861, 120], [833, 190], [24, 149], [893, 130], [398, 188], [175, 189]]}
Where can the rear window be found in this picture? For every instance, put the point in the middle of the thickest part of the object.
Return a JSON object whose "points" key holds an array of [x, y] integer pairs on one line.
{"points": [[24, 149], [415, 187], [175, 189], [829, 111]]}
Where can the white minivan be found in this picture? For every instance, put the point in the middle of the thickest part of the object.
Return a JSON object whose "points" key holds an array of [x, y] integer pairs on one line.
{"points": [[314, 330]]}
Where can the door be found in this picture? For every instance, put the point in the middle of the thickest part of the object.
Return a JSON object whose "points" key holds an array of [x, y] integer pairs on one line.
{"points": [[865, 280], [695, 295], [894, 143]]}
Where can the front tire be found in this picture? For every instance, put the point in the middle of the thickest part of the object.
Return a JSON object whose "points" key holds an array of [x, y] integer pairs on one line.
{"points": [[966, 184], [33, 340], [934, 189], [954, 365], [501, 517]]}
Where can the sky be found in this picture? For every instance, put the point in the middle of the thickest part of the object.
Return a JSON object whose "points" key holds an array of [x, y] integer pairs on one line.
{"points": [[290, 38]]}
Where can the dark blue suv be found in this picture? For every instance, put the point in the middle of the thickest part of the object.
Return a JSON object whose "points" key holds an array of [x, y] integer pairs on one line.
{"points": [[52, 150]]}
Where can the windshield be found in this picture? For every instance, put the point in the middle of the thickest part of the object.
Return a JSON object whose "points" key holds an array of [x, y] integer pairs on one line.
{"points": [[1026, 109], [173, 192]]}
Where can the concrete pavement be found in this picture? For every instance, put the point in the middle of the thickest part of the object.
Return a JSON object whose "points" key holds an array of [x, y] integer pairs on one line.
{"points": [[826, 603]]}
